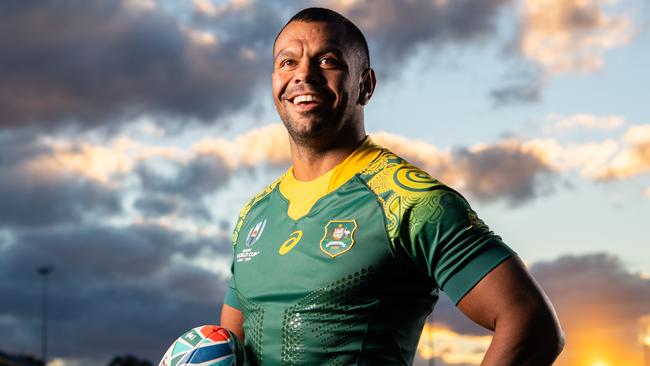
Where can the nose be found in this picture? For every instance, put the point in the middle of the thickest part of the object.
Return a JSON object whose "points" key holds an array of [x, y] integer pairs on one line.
{"points": [[308, 72]]}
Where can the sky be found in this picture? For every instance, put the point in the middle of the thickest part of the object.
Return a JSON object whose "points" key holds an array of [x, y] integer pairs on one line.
{"points": [[133, 131]]}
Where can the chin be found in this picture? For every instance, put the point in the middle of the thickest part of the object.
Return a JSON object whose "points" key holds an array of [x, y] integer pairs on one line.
{"points": [[304, 130]]}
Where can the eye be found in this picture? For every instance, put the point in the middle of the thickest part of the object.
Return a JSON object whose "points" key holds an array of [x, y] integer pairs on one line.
{"points": [[328, 61], [287, 63]]}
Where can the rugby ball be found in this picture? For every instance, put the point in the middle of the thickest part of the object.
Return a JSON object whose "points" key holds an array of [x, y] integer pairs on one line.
{"points": [[207, 345]]}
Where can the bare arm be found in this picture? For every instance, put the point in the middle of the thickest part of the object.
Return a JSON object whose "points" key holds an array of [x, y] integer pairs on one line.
{"points": [[509, 302], [233, 320]]}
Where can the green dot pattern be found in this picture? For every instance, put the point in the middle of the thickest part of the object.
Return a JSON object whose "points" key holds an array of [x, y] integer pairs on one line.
{"points": [[253, 327], [325, 315]]}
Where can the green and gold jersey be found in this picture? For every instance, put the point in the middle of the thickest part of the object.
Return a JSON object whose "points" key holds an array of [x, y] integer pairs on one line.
{"points": [[344, 270]]}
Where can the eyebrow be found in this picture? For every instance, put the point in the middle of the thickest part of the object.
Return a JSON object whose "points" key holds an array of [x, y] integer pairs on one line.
{"points": [[284, 52], [330, 49]]}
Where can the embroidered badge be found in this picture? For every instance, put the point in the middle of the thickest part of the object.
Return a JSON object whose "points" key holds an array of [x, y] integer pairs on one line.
{"points": [[255, 233], [338, 237]]}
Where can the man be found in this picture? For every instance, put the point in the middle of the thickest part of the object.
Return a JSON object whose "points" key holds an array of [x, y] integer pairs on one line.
{"points": [[341, 259]]}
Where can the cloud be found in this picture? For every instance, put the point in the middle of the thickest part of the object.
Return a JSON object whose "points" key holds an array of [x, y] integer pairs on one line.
{"points": [[452, 348], [401, 28], [113, 62], [599, 303], [33, 197], [114, 290], [584, 121], [508, 169], [571, 35], [632, 160], [523, 89], [556, 37], [598, 300], [174, 182]]}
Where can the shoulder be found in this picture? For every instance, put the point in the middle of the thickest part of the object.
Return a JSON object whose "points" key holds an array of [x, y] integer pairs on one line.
{"points": [[259, 197], [409, 195]]}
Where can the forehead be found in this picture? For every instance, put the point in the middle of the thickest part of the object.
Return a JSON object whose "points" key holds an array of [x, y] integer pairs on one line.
{"points": [[311, 34]]}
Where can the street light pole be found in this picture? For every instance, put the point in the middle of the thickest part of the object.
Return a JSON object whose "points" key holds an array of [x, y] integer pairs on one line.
{"points": [[644, 336], [44, 271], [432, 362]]}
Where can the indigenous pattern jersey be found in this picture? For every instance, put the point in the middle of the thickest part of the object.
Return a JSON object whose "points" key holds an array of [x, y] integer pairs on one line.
{"points": [[352, 280]]}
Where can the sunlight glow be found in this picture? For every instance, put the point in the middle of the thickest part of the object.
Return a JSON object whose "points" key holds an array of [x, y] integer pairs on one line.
{"points": [[453, 348], [599, 363], [644, 334]]}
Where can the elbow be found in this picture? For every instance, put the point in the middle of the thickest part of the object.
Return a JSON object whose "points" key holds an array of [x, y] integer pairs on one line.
{"points": [[556, 335], [541, 338], [560, 340], [551, 338]]}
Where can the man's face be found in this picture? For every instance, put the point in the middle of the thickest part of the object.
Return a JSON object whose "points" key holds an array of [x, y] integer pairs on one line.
{"points": [[316, 79]]}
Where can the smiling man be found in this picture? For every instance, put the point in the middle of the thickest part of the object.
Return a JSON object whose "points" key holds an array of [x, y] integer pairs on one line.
{"points": [[340, 260]]}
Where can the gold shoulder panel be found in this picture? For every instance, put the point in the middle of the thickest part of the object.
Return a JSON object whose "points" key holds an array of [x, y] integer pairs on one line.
{"points": [[403, 190], [246, 209]]}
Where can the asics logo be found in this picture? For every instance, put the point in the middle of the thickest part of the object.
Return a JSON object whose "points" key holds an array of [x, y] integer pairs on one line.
{"points": [[288, 244]]}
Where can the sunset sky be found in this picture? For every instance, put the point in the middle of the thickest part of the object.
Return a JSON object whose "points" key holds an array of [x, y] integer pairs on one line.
{"points": [[132, 132]]}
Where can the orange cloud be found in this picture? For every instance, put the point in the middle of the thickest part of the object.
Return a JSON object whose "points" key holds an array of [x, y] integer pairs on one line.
{"points": [[632, 160], [210, 9], [511, 169], [599, 303], [602, 307], [584, 120], [93, 161], [571, 35], [268, 144], [453, 348]]}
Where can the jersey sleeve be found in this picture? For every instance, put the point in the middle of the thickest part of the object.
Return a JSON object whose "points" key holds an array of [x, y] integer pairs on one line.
{"points": [[452, 244], [231, 299]]}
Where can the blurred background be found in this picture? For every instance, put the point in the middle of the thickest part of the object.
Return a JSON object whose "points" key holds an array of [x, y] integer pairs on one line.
{"points": [[132, 132]]}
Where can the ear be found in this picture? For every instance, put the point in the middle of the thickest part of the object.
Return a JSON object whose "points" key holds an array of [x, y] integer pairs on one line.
{"points": [[367, 87]]}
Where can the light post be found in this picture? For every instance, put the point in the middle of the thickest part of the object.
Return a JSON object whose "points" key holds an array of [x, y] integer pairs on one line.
{"points": [[432, 361], [44, 271], [644, 336]]}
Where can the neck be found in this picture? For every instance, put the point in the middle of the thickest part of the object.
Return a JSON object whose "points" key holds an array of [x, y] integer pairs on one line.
{"points": [[310, 161]]}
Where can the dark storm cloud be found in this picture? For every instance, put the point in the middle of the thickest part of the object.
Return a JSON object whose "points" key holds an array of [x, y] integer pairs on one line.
{"points": [[113, 61], [580, 285], [95, 61], [599, 302], [203, 174], [184, 190], [31, 198], [113, 290], [155, 206], [525, 91], [504, 172], [397, 29]]}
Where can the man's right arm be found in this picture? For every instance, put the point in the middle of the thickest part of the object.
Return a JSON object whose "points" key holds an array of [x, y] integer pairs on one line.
{"points": [[233, 320]]}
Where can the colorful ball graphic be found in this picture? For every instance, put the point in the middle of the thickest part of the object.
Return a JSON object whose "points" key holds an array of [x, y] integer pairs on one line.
{"points": [[207, 345]]}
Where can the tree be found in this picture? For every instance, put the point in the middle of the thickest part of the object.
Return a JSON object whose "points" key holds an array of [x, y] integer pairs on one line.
{"points": [[128, 360]]}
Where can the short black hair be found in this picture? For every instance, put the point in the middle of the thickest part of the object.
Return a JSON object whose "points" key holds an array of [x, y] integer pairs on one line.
{"points": [[316, 14]]}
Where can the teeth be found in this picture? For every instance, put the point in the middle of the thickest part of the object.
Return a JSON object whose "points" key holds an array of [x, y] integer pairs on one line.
{"points": [[304, 98]]}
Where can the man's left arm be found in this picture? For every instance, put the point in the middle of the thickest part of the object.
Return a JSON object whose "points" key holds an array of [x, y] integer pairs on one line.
{"points": [[509, 302]]}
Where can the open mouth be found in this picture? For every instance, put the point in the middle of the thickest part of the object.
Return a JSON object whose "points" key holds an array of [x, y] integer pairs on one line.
{"points": [[306, 102], [305, 99]]}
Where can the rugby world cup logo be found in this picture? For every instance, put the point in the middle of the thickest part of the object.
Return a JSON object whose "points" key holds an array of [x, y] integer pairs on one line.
{"points": [[255, 233]]}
